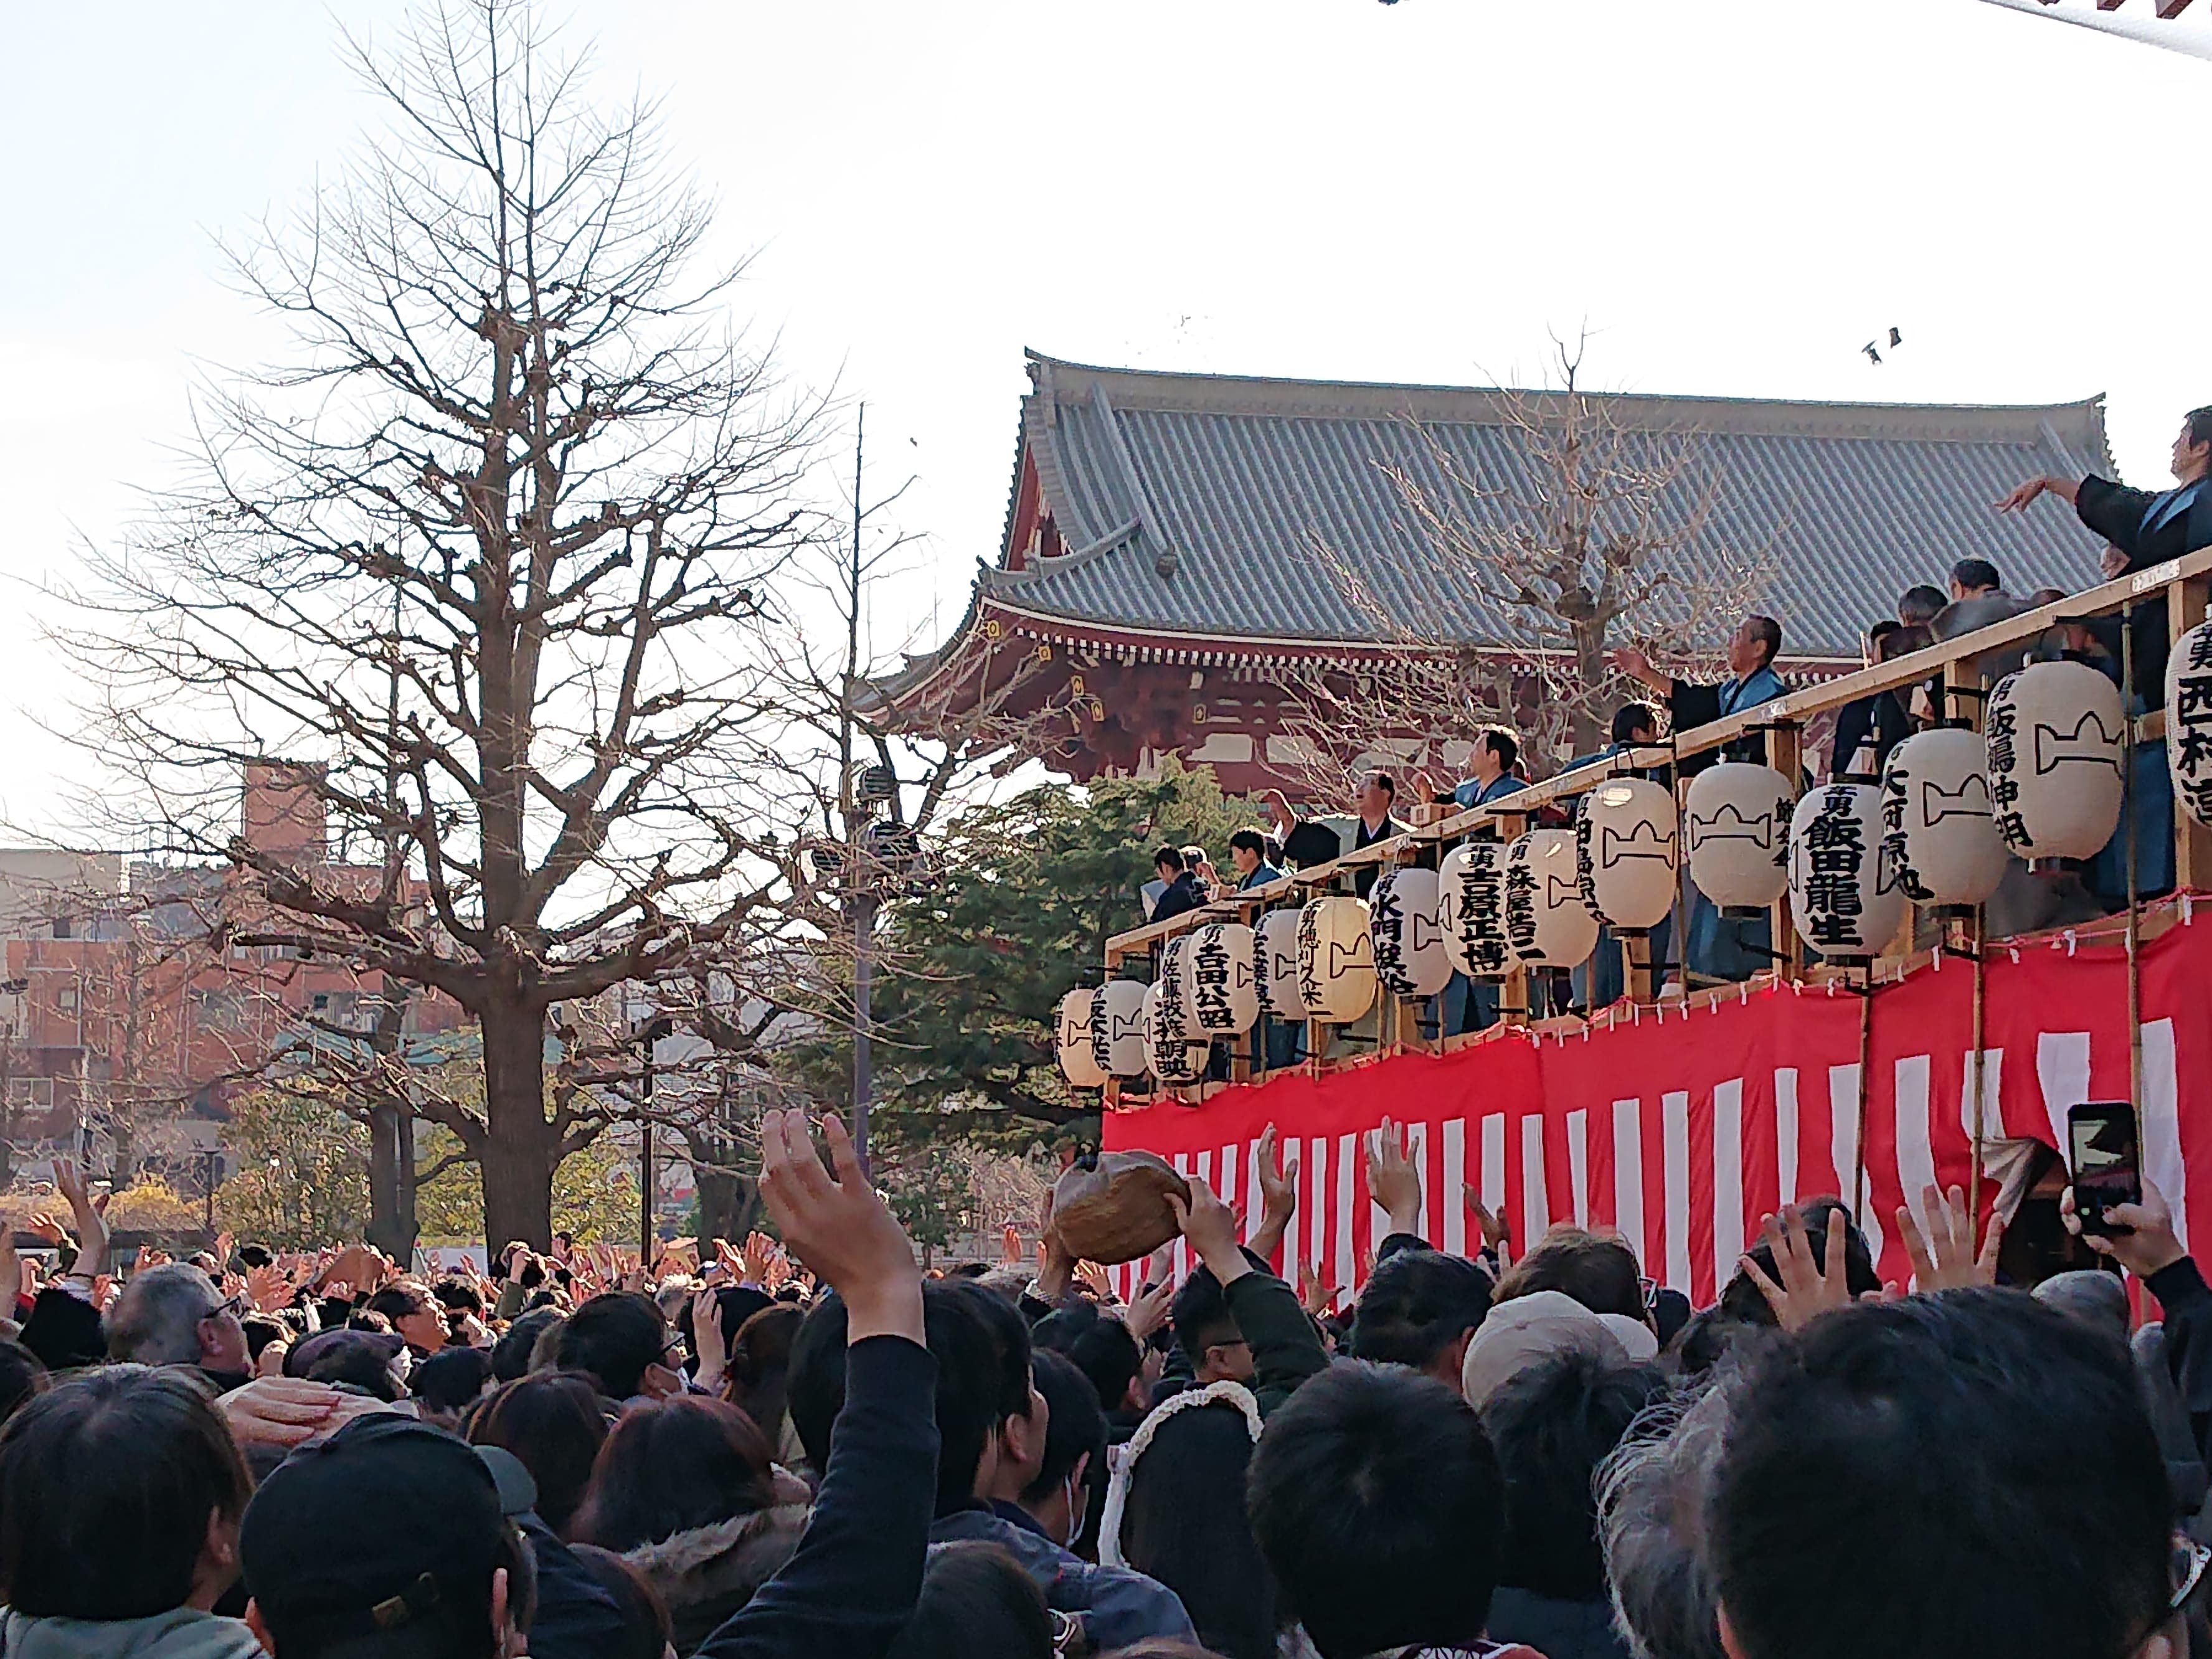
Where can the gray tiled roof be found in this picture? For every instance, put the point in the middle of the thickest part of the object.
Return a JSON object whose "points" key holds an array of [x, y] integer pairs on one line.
{"points": [[1194, 504]]}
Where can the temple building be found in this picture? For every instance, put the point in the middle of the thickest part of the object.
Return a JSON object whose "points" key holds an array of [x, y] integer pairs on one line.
{"points": [[1179, 548]]}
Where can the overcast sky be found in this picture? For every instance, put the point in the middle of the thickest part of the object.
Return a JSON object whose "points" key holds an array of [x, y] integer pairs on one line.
{"points": [[1733, 195]]}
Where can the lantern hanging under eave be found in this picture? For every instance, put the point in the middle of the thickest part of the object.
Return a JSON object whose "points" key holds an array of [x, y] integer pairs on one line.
{"points": [[1079, 1063], [1843, 896], [2054, 732], [1735, 822], [1471, 882], [1336, 959], [2189, 722], [1546, 920], [1169, 1054], [1275, 949], [1117, 1028], [1219, 979], [1407, 929], [1626, 851], [1937, 826], [1176, 998]]}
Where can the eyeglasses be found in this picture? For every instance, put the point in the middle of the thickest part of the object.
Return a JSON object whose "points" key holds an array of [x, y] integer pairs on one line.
{"points": [[2190, 1560]]}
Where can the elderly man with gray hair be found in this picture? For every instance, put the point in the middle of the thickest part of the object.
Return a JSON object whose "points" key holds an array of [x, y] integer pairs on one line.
{"points": [[173, 1314], [1652, 1495]]}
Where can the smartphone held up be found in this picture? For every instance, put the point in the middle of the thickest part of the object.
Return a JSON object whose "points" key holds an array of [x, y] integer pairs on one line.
{"points": [[2105, 1153]]}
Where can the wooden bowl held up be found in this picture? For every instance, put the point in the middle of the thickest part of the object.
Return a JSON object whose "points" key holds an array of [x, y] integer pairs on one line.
{"points": [[1114, 1208]]}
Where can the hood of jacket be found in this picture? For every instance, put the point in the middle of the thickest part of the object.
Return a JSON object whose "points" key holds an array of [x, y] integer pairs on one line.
{"points": [[179, 1633], [706, 1574]]}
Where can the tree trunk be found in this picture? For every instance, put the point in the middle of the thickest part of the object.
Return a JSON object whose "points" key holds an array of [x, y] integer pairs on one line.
{"points": [[1590, 735], [729, 1203], [519, 1145], [391, 1224]]}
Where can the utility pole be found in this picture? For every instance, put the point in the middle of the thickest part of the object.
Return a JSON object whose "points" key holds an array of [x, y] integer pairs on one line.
{"points": [[650, 1034]]}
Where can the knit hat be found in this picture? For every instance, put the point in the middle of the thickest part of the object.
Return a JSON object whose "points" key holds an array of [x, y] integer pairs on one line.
{"points": [[1517, 1333]]}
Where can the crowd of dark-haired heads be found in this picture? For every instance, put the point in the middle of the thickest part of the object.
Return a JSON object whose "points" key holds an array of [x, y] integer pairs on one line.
{"points": [[1528, 1449]]}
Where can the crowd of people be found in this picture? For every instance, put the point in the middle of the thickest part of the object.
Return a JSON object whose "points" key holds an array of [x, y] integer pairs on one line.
{"points": [[812, 1447]]}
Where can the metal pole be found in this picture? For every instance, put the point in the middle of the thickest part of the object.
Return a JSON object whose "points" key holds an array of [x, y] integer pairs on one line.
{"points": [[1974, 1070]]}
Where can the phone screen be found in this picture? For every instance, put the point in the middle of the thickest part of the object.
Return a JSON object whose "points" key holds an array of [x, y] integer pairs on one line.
{"points": [[2106, 1163]]}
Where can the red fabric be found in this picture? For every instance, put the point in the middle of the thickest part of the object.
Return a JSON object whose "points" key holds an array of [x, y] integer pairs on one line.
{"points": [[1683, 1130]]}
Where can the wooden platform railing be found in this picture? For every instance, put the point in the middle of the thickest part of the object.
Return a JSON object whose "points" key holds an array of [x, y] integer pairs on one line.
{"points": [[2179, 589]]}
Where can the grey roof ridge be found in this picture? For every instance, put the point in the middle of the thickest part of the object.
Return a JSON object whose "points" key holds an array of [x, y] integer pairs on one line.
{"points": [[1283, 396]]}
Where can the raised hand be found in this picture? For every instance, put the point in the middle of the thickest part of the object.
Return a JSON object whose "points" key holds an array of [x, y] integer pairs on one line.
{"points": [[1149, 1310], [1210, 1226], [840, 1228], [707, 1339], [1094, 1280], [1943, 1257], [1807, 1289], [1496, 1225], [91, 1219], [268, 1289], [1279, 1194], [1315, 1294], [1010, 1246], [2018, 499], [1392, 1179], [2150, 1248]]}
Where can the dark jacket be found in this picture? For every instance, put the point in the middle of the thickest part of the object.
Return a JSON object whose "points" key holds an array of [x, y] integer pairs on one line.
{"points": [[576, 1619], [2186, 1336], [852, 1584], [1881, 720], [1182, 894], [1285, 1350], [2122, 516], [706, 1574], [1555, 1628], [1117, 1608], [64, 1331], [1691, 705]]}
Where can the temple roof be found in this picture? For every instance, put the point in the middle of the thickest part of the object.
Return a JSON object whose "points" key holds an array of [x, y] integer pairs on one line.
{"points": [[1199, 506]]}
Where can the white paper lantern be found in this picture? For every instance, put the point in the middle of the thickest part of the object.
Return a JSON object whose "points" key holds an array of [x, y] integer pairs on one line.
{"points": [[1407, 925], [1078, 1064], [1472, 883], [1117, 1028], [1336, 959], [1276, 947], [1176, 998], [1937, 826], [1546, 920], [1169, 1054], [1220, 985], [1843, 896], [2189, 722], [2054, 732], [1626, 851], [1736, 821]]}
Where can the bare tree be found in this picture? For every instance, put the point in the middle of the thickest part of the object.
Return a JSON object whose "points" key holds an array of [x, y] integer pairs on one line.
{"points": [[478, 560], [1603, 536]]}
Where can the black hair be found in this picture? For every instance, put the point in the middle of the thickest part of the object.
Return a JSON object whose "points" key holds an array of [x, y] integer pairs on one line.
{"points": [[401, 1298], [1385, 782], [975, 1599], [1074, 1424], [1249, 841], [1184, 1523], [670, 1466], [613, 1337], [359, 1365], [1599, 1272], [1377, 1501], [1743, 1300], [531, 1274], [1881, 629], [1101, 1348], [973, 1374], [261, 1331], [1985, 1477], [451, 1378], [1976, 572], [457, 1295], [107, 1483], [2199, 422], [760, 1365], [1552, 1423], [1168, 857], [737, 1303], [1903, 641], [1633, 718], [1501, 742], [510, 1355], [552, 1422], [1768, 633], [1200, 1314], [22, 1375], [646, 1631], [1416, 1304], [255, 1255], [1920, 603]]}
